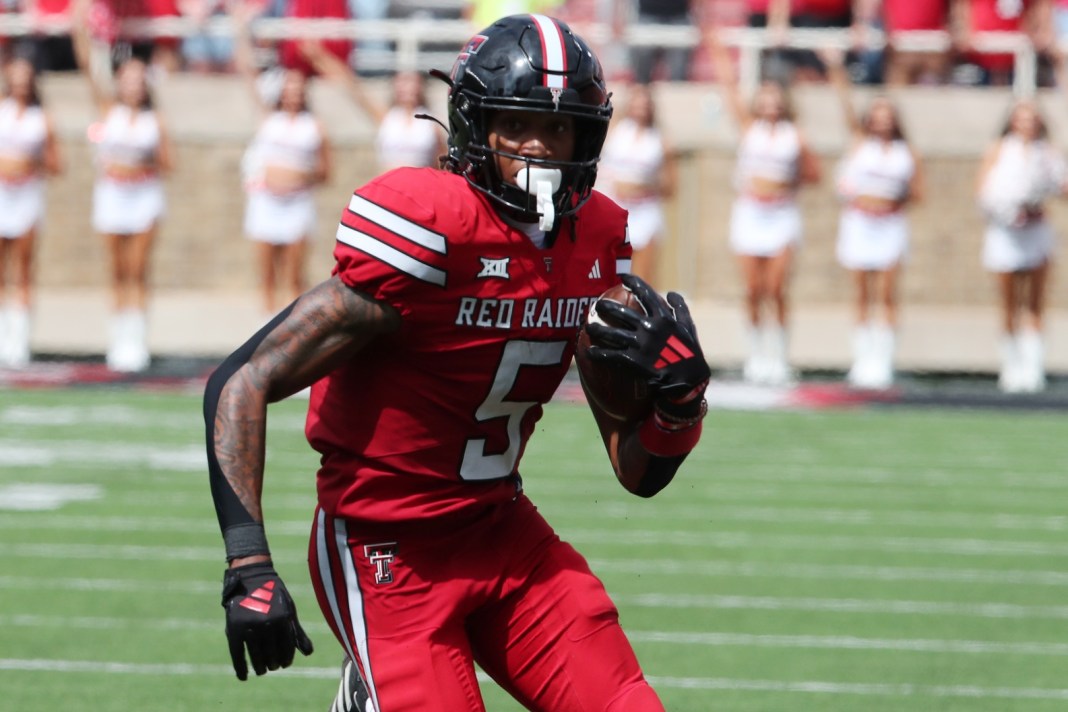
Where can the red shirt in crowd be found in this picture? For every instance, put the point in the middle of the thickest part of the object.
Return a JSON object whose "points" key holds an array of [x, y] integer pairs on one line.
{"points": [[106, 16], [289, 50], [822, 8], [996, 16], [905, 15]]}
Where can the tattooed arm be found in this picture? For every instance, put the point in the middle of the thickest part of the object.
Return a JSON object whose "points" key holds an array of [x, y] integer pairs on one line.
{"points": [[316, 334]]}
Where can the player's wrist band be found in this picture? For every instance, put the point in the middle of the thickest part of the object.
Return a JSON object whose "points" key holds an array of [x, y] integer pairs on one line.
{"points": [[245, 540], [672, 418], [665, 436]]}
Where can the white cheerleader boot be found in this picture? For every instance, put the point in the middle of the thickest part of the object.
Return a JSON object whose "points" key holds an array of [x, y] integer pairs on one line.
{"points": [[1009, 380], [882, 368], [134, 355], [16, 339], [858, 375], [1032, 361], [755, 368], [116, 340], [128, 352], [5, 338], [778, 371]]}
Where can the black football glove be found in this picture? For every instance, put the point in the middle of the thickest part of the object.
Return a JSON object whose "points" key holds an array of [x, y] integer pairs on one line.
{"points": [[261, 616], [660, 344]]}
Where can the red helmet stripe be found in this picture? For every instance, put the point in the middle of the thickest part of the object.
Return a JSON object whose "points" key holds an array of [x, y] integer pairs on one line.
{"points": [[553, 52]]}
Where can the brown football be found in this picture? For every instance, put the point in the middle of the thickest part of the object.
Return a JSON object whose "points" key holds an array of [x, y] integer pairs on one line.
{"points": [[617, 390]]}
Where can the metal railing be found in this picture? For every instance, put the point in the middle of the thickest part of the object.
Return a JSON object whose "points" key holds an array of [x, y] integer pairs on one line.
{"points": [[413, 41]]}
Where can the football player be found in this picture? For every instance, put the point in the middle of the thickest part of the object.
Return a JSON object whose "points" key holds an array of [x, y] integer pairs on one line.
{"points": [[450, 319]]}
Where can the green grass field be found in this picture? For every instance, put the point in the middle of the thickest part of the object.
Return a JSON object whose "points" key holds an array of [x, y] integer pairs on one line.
{"points": [[871, 559]]}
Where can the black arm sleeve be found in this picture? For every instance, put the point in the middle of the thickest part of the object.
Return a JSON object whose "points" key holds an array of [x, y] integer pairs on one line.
{"points": [[659, 474], [228, 507]]}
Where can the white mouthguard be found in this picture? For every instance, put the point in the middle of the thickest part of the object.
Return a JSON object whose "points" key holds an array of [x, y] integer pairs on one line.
{"points": [[541, 183]]}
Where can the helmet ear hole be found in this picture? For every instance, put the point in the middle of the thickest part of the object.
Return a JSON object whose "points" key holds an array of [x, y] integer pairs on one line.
{"points": [[527, 63]]}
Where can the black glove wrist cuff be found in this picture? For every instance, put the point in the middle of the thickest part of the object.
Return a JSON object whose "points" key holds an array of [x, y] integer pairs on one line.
{"points": [[690, 406], [234, 579], [675, 417], [245, 540]]}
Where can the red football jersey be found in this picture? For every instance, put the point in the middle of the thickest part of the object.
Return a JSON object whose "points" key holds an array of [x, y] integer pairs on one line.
{"points": [[432, 420]]}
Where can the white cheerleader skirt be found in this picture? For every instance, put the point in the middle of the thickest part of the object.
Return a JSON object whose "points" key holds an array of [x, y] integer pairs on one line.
{"points": [[279, 219], [761, 229], [127, 208], [645, 222], [872, 242], [21, 207], [1011, 249]]}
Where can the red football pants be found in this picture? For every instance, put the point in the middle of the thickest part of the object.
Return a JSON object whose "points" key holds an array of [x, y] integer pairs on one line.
{"points": [[417, 610]]}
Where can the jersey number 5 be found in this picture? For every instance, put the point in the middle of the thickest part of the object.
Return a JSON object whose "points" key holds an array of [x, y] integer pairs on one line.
{"points": [[477, 465]]}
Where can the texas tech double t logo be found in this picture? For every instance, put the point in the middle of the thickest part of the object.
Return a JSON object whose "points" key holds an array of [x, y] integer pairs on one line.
{"points": [[381, 556]]}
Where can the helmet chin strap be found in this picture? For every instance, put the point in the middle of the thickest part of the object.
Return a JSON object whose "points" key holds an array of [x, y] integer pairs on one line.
{"points": [[541, 183]]}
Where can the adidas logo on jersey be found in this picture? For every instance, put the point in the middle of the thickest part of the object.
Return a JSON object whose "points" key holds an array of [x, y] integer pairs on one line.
{"points": [[595, 273]]}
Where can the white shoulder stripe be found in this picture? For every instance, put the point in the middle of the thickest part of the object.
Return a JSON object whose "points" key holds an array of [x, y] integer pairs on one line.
{"points": [[622, 266], [407, 229], [552, 43], [390, 255]]}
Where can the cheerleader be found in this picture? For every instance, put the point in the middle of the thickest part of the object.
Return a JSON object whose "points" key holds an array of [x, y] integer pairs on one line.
{"points": [[289, 155], [1020, 171], [28, 152], [133, 152], [878, 176], [638, 171], [765, 228], [401, 138]]}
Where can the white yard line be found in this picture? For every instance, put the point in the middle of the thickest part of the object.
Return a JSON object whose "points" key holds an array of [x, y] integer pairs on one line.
{"points": [[611, 511], [711, 639], [859, 689], [845, 605], [710, 489], [666, 540], [717, 568], [980, 609], [662, 682], [51, 416], [816, 542], [655, 567], [110, 585], [80, 455], [1001, 474], [813, 515], [838, 642]]}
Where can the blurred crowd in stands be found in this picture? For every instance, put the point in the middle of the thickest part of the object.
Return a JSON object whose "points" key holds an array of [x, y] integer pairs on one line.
{"points": [[928, 59]]}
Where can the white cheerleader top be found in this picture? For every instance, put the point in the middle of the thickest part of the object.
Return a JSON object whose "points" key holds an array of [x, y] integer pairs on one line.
{"points": [[771, 151], [877, 169], [404, 140], [22, 134], [128, 138], [289, 141], [1024, 174], [632, 154]]}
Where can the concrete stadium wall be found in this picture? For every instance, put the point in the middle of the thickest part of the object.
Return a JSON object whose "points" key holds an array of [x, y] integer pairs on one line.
{"points": [[211, 120]]}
